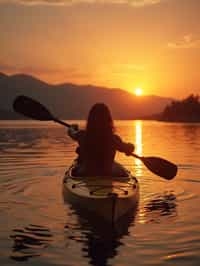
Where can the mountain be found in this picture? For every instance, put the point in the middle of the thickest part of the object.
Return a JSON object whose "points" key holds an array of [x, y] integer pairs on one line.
{"points": [[2, 75], [69, 101]]}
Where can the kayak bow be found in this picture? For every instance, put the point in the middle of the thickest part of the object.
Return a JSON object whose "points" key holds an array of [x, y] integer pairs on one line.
{"points": [[106, 197]]}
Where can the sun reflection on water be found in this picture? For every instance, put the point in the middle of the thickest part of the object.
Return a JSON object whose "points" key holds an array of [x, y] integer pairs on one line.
{"points": [[138, 146]]}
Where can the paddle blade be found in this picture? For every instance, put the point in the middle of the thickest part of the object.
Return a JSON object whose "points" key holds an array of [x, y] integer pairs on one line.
{"points": [[31, 108], [160, 167]]}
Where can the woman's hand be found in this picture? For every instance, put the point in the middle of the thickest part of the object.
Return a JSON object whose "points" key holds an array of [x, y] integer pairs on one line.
{"points": [[72, 130], [130, 149], [74, 127]]}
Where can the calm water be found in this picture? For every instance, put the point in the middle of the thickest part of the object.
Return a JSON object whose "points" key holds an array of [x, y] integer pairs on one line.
{"points": [[38, 228]]}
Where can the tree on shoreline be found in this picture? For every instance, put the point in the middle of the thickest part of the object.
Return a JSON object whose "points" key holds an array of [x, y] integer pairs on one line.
{"points": [[187, 110]]}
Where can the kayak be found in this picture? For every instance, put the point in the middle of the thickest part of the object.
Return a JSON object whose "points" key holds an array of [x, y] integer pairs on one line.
{"points": [[108, 198]]}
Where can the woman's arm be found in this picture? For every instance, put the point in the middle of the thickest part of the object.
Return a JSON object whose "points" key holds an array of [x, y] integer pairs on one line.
{"points": [[121, 146]]}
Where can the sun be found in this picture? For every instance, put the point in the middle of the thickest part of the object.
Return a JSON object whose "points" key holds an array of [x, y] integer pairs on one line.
{"points": [[138, 91]]}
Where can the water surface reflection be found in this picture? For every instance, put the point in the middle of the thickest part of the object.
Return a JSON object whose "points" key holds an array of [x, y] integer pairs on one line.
{"points": [[160, 205], [36, 228], [100, 240], [29, 242]]}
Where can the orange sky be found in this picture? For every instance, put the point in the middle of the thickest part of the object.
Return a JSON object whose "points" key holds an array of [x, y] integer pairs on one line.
{"points": [[153, 44]]}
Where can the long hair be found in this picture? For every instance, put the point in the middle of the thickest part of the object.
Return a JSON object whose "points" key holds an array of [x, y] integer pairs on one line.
{"points": [[99, 133]]}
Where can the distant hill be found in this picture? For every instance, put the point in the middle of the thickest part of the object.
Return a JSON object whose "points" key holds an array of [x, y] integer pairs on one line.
{"points": [[2, 75], [4, 114], [69, 101]]}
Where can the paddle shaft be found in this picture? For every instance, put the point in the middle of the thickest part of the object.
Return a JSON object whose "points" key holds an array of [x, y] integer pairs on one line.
{"points": [[136, 156], [61, 122]]}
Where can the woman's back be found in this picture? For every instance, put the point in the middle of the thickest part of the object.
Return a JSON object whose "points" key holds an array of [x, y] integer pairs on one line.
{"points": [[98, 149], [97, 159]]}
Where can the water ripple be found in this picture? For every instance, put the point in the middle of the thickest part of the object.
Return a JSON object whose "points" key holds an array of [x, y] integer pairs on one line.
{"points": [[29, 242], [163, 230]]}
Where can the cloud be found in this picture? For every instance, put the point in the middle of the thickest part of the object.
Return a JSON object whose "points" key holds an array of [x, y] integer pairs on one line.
{"points": [[17, 68], [134, 3], [67, 72], [188, 41], [127, 68], [120, 70]]}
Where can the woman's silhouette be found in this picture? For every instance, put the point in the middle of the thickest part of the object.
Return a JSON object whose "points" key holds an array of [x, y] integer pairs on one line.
{"points": [[98, 144]]}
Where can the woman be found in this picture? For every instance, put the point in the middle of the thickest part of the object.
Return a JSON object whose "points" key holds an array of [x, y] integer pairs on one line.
{"points": [[98, 144]]}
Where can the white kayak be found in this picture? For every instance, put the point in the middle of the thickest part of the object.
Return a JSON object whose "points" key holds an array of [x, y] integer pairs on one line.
{"points": [[106, 197]]}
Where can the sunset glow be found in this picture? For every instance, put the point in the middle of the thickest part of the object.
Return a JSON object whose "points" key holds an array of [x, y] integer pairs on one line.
{"points": [[104, 43]]}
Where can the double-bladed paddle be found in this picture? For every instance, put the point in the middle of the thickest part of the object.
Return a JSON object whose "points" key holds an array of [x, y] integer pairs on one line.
{"points": [[33, 109]]}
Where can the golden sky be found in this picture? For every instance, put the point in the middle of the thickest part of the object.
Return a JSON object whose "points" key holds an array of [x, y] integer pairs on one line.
{"points": [[152, 44]]}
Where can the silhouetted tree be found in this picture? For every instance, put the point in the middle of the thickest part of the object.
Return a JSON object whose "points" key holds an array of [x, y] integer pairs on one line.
{"points": [[187, 110]]}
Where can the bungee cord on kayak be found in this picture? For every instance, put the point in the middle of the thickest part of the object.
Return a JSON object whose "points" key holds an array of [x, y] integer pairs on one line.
{"points": [[98, 187]]}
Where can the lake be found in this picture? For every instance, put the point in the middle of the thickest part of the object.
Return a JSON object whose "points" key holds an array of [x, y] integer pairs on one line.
{"points": [[38, 228]]}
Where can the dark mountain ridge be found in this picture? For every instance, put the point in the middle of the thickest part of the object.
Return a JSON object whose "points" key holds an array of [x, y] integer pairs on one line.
{"points": [[70, 101]]}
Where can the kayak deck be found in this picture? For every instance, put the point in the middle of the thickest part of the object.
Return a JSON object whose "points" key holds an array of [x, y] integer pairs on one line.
{"points": [[106, 197]]}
